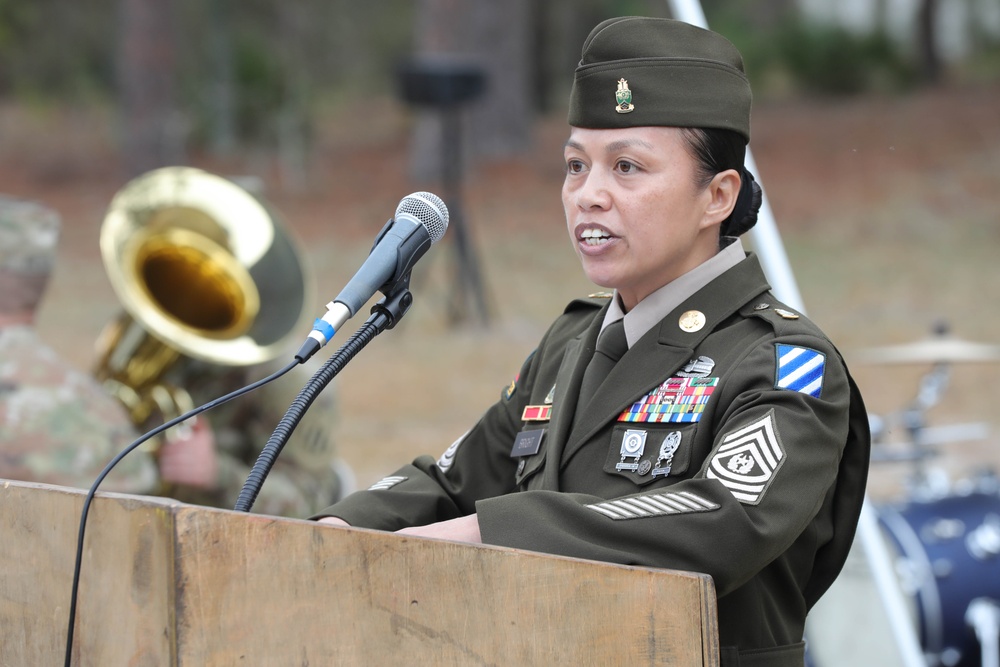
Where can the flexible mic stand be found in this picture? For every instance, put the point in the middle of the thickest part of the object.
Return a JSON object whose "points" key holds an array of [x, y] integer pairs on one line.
{"points": [[385, 314]]}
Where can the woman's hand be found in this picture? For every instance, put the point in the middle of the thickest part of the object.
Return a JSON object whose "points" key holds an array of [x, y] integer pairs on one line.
{"points": [[334, 521], [188, 458], [462, 529]]}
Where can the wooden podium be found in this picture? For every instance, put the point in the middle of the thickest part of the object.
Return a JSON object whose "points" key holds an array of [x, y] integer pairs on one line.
{"points": [[164, 583]]}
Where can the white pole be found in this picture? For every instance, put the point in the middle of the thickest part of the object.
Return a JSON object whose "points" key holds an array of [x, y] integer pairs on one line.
{"points": [[767, 242]]}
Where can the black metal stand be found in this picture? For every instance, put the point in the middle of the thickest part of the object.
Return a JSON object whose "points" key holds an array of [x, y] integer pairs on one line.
{"points": [[447, 85]]}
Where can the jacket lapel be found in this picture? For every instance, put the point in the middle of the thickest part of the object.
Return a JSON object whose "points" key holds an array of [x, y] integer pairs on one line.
{"points": [[663, 351], [574, 363]]}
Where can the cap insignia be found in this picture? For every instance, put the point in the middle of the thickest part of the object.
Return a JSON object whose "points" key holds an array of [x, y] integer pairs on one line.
{"points": [[624, 97]]}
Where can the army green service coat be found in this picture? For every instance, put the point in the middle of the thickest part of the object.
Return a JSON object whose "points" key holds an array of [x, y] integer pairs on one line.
{"points": [[764, 485]]}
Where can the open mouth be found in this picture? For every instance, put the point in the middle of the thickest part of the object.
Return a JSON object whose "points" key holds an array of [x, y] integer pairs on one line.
{"points": [[594, 237]]}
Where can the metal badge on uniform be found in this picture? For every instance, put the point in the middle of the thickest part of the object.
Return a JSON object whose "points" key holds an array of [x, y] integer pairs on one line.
{"points": [[632, 447], [666, 456], [549, 397], [623, 96], [527, 443], [692, 321], [697, 368]]}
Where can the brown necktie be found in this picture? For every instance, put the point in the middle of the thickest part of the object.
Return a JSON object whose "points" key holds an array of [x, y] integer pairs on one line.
{"points": [[611, 345]]}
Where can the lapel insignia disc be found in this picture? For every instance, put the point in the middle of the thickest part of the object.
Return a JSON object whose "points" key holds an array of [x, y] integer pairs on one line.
{"points": [[691, 321], [623, 96], [676, 400], [748, 459], [800, 369]]}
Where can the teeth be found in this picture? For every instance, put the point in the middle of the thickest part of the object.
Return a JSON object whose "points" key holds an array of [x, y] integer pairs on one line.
{"points": [[594, 236]]}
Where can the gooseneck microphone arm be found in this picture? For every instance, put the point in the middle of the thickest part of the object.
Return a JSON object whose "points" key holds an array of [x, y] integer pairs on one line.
{"points": [[384, 315]]}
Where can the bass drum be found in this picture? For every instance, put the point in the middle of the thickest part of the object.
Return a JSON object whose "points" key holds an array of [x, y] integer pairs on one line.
{"points": [[947, 554]]}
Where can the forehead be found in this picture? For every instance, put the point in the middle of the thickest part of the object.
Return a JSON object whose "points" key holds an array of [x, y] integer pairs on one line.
{"points": [[651, 138]]}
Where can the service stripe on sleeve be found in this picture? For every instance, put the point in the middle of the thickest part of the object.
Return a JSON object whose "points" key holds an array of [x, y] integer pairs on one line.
{"points": [[659, 504]]}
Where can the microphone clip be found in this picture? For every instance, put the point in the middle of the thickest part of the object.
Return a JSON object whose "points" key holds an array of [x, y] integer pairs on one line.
{"points": [[395, 303], [411, 248]]}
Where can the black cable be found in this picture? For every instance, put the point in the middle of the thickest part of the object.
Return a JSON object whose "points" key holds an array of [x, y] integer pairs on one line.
{"points": [[384, 315], [116, 460]]}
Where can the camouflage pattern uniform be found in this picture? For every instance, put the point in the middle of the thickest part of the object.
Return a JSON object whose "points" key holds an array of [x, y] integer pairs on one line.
{"points": [[57, 425], [304, 476]]}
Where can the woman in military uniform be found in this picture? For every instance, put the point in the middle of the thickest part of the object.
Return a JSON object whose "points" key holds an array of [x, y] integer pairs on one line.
{"points": [[688, 421]]}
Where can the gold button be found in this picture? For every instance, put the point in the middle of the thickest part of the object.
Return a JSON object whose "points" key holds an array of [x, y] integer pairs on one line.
{"points": [[692, 320], [787, 314]]}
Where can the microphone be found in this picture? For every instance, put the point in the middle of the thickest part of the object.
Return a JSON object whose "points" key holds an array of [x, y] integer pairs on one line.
{"points": [[420, 221]]}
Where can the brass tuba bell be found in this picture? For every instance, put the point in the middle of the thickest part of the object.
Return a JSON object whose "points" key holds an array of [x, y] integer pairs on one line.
{"points": [[203, 270]]}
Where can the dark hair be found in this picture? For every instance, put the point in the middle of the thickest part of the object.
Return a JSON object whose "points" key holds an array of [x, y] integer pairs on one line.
{"points": [[715, 151]]}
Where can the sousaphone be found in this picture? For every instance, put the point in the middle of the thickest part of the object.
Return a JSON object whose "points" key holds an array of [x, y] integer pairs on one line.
{"points": [[205, 271]]}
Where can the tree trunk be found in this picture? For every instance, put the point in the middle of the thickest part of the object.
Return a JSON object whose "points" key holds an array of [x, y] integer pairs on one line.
{"points": [[152, 125], [930, 59]]}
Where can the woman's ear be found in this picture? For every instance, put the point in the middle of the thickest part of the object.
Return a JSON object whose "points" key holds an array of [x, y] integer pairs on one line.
{"points": [[723, 191]]}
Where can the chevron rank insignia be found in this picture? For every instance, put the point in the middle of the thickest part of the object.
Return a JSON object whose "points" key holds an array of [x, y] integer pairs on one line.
{"points": [[747, 460], [800, 369]]}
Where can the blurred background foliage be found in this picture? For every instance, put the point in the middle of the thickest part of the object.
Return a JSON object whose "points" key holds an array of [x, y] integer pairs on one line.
{"points": [[247, 71]]}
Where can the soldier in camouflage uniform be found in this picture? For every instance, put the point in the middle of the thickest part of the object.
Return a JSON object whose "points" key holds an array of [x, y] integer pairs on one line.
{"points": [[208, 463], [57, 425]]}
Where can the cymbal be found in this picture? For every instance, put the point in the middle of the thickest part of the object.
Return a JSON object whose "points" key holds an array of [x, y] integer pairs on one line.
{"points": [[941, 349]]}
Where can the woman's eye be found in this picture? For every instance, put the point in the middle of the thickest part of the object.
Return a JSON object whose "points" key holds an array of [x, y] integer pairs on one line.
{"points": [[574, 166], [625, 167]]}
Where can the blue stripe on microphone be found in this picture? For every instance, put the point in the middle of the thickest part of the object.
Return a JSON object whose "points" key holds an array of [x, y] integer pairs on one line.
{"points": [[324, 328]]}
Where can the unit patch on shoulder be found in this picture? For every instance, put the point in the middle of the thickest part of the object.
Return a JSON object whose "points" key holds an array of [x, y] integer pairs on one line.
{"points": [[799, 369], [386, 483], [747, 460], [654, 504]]}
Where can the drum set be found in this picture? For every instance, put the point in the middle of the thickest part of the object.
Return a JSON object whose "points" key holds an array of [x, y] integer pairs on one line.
{"points": [[943, 537]]}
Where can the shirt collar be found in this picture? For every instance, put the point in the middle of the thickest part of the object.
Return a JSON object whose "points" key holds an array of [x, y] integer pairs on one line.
{"points": [[648, 312]]}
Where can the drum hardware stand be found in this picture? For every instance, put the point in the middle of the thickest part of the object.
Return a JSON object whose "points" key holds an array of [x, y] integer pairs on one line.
{"points": [[983, 616]]}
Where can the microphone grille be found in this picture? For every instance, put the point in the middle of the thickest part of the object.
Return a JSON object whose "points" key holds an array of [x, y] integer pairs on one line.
{"points": [[429, 210]]}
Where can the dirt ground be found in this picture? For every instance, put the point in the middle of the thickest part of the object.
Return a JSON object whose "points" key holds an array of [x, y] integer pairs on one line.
{"points": [[887, 208]]}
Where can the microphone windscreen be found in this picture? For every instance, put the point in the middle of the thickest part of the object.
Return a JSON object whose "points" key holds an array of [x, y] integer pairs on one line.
{"points": [[429, 210]]}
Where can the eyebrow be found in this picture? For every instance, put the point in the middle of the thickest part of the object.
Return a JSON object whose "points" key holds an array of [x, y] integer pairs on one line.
{"points": [[614, 146]]}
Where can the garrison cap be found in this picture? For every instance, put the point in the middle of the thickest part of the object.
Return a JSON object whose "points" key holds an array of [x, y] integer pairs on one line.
{"points": [[29, 233], [640, 71]]}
